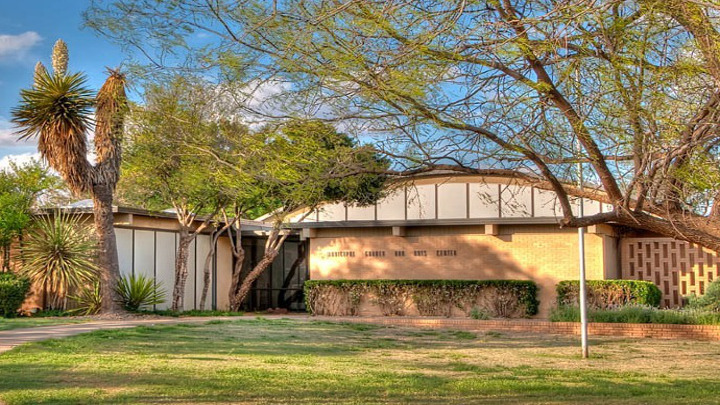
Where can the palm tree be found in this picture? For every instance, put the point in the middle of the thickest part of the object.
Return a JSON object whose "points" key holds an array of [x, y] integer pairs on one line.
{"points": [[58, 111]]}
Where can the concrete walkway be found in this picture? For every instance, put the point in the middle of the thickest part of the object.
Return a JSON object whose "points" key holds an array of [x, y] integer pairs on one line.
{"points": [[15, 337]]}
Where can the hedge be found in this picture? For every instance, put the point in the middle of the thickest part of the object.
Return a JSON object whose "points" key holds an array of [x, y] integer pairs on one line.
{"points": [[501, 298], [638, 314], [607, 294], [13, 290]]}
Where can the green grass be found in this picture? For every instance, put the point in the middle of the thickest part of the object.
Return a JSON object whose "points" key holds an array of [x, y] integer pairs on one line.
{"points": [[18, 323], [288, 361]]}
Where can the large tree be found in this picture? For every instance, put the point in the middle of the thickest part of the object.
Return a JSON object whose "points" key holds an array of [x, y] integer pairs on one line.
{"points": [[188, 150], [161, 172], [57, 111], [630, 89], [288, 171]]}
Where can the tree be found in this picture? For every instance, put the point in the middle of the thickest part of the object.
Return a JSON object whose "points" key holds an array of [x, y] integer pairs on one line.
{"points": [[290, 170], [160, 172], [187, 150], [20, 188], [528, 89], [57, 110]]}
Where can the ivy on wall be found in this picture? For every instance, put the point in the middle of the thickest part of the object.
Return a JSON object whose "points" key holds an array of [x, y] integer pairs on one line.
{"points": [[500, 298]]}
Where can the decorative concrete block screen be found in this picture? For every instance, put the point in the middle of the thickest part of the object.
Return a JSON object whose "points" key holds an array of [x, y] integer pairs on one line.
{"points": [[678, 268]]}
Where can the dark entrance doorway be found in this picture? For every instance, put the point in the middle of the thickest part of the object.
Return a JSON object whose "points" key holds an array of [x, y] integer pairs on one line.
{"points": [[281, 285]]}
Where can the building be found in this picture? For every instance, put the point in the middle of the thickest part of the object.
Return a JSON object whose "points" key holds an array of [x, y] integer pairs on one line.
{"points": [[435, 226], [450, 226], [147, 244]]}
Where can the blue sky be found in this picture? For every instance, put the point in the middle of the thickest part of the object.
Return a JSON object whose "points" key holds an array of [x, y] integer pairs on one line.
{"points": [[28, 30]]}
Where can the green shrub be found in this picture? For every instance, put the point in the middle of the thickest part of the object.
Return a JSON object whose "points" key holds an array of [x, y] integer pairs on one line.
{"points": [[710, 301], [637, 314], [480, 314], [13, 289], [501, 298], [606, 294], [565, 313], [88, 300], [139, 291], [59, 253], [707, 318], [626, 314]]}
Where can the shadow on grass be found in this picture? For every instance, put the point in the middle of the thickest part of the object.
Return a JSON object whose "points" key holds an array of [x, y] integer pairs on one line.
{"points": [[281, 362]]}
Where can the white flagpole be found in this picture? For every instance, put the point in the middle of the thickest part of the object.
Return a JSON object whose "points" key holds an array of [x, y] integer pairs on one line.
{"points": [[583, 292]]}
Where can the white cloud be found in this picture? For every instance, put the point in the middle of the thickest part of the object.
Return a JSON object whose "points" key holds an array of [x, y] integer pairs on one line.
{"points": [[14, 47], [19, 159], [9, 137]]}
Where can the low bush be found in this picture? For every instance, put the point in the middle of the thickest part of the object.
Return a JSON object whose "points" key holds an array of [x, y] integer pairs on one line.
{"points": [[498, 298], [607, 294], [13, 290], [479, 313], [138, 291], [710, 301], [637, 314], [88, 300]]}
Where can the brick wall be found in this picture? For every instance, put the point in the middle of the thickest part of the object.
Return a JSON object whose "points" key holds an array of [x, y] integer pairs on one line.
{"points": [[678, 268], [544, 254], [691, 332]]}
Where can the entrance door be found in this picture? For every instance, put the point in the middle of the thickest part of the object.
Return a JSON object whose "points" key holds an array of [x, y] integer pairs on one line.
{"points": [[281, 285]]}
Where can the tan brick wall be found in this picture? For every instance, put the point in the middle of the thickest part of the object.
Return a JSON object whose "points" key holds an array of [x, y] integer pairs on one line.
{"points": [[678, 268], [544, 254]]}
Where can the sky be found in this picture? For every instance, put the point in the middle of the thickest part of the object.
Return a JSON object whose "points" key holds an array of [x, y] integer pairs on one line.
{"points": [[28, 30]]}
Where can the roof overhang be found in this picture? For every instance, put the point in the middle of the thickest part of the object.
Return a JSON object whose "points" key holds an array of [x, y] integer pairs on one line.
{"points": [[426, 222]]}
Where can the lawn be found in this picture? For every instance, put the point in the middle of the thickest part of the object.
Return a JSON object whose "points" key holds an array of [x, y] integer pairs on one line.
{"points": [[17, 323], [286, 361]]}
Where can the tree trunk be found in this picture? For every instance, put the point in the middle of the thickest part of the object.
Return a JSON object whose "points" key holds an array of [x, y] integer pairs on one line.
{"points": [[181, 271], [244, 290], [207, 270], [235, 282], [107, 248], [6, 258], [206, 276]]}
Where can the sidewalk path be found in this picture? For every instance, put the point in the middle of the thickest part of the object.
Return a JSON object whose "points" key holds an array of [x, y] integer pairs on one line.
{"points": [[15, 337]]}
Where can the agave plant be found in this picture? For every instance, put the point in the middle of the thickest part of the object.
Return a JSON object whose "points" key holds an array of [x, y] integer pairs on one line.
{"points": [[88, 300], [137, 291], [59, 254]]}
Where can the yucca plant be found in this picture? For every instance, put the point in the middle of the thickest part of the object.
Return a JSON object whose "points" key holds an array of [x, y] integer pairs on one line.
{"points": [[58, 111], [59, 254], [88, 300], [137, 291]]}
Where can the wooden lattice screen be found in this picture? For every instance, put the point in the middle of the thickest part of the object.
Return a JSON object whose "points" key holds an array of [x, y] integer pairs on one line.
{"points": [[678, 268]]}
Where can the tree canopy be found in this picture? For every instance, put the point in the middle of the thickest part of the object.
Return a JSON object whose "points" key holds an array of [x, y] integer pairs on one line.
{"points": [[21, 188], [529, 89], [185, 152]]}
